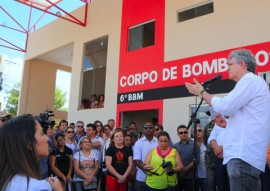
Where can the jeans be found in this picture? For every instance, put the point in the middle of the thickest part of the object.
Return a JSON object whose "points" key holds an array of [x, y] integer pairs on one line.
{"points": [[139, 186], [78, 186], [211, 179], [243, 176], [222, 177], [203, 184]]}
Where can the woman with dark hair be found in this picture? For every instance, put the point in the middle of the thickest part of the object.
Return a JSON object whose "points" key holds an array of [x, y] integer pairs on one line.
{"points": [[99, 126], [61, 161], [22, 144], [119, 162], [85, 163], [101, 100], [70, 139], [161, 165], [107, 132]]}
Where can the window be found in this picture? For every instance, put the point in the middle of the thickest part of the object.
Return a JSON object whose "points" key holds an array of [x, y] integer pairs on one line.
{"points": [[141, 36], [62, 89], [201, 115], [94, 73], [196, 12]]}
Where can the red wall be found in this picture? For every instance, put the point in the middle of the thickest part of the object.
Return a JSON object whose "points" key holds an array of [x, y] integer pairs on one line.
{"points": [[151, 59]]}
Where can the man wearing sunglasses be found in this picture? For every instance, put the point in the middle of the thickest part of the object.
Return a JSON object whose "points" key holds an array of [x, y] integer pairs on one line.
{"points": [[4, 117], [141, 148], [79, 131], [185, 149], [158, 129]]}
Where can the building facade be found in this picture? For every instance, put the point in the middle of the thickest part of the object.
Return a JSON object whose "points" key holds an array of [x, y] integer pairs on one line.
{"points": [[139, 54]]}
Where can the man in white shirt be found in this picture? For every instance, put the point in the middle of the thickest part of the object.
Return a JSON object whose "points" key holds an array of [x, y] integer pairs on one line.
{"points": [[247, 112], [141, 148]]}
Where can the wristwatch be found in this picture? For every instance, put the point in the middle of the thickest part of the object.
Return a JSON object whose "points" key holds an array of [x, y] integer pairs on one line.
{"points": [[201, 94]]}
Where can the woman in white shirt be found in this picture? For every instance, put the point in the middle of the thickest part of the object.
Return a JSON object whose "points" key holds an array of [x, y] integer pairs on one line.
{"points": [[22, 144]]}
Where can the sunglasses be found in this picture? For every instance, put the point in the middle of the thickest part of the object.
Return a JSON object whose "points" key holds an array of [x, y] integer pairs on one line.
{"points": [[106, 129], [184, 132], [70, 131], [80, 126], [99, 125], [157, 129], [198, 130], [61, 140], [148, 127]]}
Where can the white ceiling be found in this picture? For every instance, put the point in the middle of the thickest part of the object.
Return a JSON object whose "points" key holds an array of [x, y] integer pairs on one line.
{"points": [[62, 55]]}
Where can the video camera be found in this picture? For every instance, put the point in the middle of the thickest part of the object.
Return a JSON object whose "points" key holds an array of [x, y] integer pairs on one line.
{"points": [[44, 121]]}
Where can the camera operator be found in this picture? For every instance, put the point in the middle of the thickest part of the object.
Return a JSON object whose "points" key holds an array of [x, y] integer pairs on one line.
{"points": [[47, 129], [161, 166]]}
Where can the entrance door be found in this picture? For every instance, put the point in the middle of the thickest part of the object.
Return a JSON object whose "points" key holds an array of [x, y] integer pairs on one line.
{"points": [[139, 117]]}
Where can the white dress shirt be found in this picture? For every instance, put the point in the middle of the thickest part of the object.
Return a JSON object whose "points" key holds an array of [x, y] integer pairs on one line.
{"points": [[248, 128], [217, 134], [141, 148]]}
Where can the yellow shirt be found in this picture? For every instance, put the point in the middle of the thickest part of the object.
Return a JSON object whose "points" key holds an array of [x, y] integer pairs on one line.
{"points": [[160, 180]]}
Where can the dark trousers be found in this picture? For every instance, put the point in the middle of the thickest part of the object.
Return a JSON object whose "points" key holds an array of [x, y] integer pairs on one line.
{"points": [[185, 184], [222, 177], [78, 186], [103, 181], [211, 179], [265, 179], [140, 186], [203, 184], [173, 188]]}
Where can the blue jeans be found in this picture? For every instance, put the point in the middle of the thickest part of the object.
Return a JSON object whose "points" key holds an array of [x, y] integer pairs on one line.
{"points": [[222, 177], [203, 184], [243, 176], [139, 186], [211, 179], [78, 186]]}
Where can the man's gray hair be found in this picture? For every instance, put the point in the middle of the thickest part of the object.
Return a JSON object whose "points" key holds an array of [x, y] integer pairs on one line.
{"points": [[246, 56]]}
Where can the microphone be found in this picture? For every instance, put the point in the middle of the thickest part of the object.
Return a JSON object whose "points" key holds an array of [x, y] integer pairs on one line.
{"points": [[217, 77]]}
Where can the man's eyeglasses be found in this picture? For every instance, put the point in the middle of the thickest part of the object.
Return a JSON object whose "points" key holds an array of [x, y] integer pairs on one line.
{"points": [[157, 129], [184, 132], [70, 131], [148, 127]]}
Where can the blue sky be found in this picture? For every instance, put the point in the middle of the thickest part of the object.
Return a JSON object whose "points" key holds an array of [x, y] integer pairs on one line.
{"points": [[13, 60]]}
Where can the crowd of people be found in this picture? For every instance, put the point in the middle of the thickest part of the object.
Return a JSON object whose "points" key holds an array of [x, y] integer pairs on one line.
{"points": [[232, 152]]}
